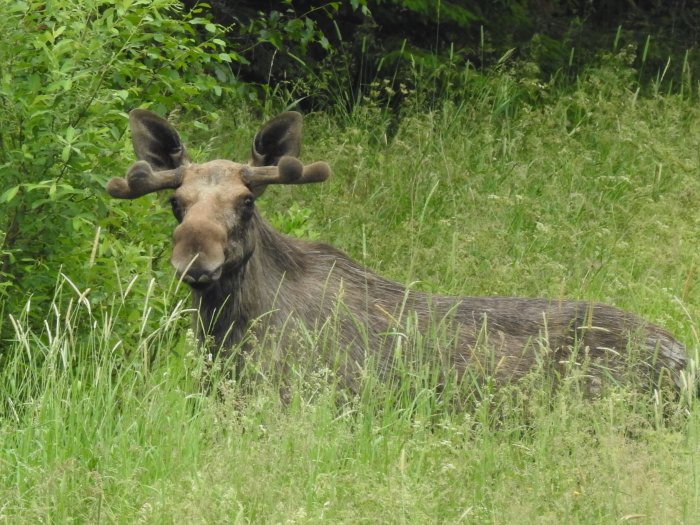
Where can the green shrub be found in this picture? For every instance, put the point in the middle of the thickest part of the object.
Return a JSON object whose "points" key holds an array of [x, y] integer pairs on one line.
{"points": [[71, 71]]}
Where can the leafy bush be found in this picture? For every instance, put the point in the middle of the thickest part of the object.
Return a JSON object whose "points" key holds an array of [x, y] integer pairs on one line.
{"points": [[71, 72]]}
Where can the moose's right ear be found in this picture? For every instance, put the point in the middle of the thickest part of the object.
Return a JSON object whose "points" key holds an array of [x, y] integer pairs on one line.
{"points": [[280, 136], [156, 141]]}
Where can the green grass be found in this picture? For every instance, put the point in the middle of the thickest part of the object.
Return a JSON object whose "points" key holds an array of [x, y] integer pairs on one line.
{"points": [[591, 193]]}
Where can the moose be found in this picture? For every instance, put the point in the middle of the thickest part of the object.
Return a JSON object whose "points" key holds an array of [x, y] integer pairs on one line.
{"points": [[248, 278]]}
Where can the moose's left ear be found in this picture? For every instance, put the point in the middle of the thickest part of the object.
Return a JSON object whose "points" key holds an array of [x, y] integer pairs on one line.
{"points": [[280, 136], [156, 141]]}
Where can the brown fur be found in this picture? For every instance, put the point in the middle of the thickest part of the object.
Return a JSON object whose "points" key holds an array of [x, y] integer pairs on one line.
{"points": [[247, 277]]}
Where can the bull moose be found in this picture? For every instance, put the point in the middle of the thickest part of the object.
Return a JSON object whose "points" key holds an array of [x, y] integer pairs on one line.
{"points": [[247, 277]]}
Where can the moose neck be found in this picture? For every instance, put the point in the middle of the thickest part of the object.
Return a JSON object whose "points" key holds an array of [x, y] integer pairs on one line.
{"points": [[253, 290]]}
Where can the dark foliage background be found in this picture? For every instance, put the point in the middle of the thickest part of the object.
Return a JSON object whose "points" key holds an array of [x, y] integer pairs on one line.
{"points": [[285, 39]]}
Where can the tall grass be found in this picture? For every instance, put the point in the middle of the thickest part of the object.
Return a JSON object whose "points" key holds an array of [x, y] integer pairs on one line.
{"points": [[111, 413]]}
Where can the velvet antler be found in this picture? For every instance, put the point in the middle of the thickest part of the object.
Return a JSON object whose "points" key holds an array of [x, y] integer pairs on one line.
{"points": [[288, 171], [141, 179]]}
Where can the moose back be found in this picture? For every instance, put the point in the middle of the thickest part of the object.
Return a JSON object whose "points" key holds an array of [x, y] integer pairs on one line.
{"points": [[246, 277]]}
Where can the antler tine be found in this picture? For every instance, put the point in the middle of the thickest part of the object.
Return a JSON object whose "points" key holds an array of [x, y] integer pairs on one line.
{"points": [[141, 179], [289, 170]]}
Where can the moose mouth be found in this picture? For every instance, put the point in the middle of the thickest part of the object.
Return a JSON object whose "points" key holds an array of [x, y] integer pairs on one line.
{"points": [[201, 279], [200, 287]]}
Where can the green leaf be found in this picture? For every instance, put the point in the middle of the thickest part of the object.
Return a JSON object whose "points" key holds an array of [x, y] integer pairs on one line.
{"points": [[65, 153], [17, 7], [9, 194]]}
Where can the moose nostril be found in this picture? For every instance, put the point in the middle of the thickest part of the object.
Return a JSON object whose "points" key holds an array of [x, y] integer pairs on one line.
{"points": [[201, 276], [197, 275]]}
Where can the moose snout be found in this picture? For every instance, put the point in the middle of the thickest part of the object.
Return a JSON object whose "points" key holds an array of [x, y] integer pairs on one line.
{"points": [[198, 251], [200, 276]]}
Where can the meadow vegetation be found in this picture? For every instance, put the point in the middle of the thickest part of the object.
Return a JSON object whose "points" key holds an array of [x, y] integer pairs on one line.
{"points": [[501, 184]]}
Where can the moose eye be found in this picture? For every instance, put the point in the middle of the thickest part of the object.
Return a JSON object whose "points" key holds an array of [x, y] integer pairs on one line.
{"points": [[177, 209], [246, 209]]}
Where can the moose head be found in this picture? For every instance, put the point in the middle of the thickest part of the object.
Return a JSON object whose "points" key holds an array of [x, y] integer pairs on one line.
{"points": [[213, 202]]}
